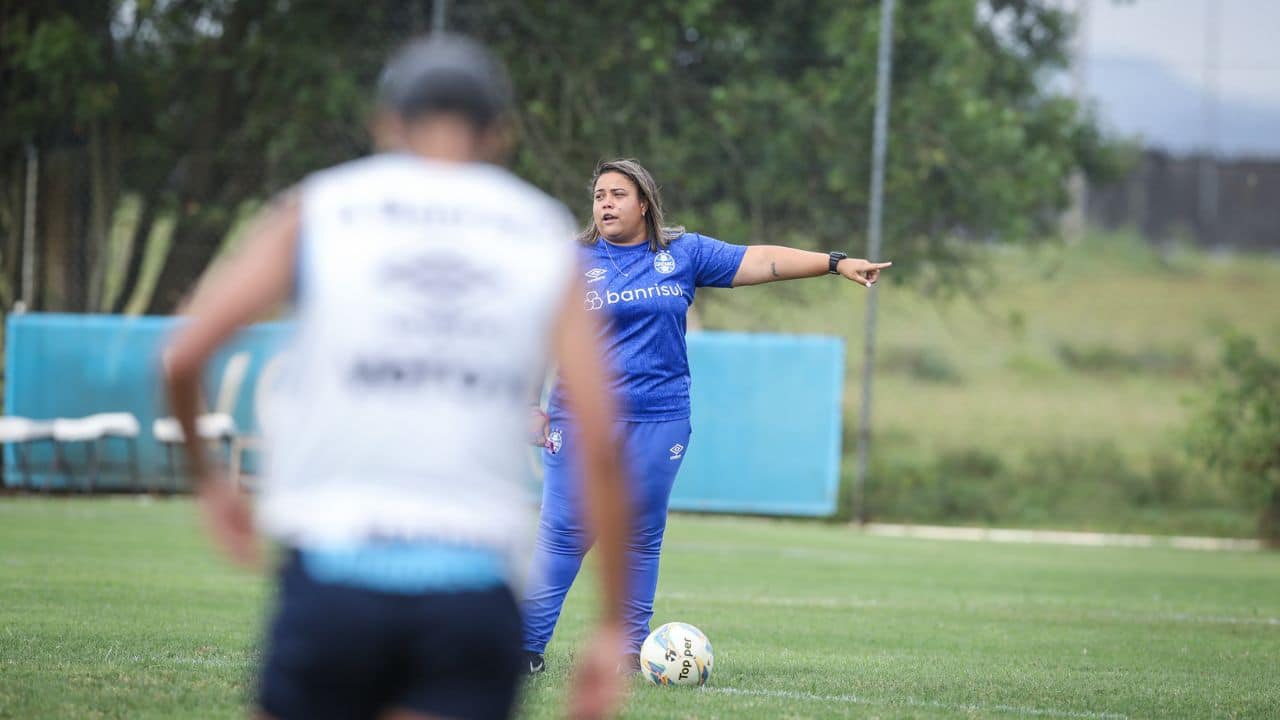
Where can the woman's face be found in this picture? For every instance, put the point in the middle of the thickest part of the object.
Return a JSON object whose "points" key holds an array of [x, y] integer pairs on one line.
{"points": [[618, 209]]}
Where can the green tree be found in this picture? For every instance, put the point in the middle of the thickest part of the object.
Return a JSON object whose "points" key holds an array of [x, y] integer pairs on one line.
{"points": [[195, 108], [756, 117], [1237, 430], [58, 99]]}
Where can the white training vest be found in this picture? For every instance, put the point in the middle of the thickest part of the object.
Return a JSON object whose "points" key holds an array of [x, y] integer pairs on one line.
{"points": [[426, 295]]}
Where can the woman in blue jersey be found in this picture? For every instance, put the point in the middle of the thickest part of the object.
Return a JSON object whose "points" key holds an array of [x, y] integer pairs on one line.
{"points": [[640, 277]]}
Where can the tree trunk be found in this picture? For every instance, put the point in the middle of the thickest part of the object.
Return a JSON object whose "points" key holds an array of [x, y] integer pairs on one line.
{"points": [[1269, 521], [60, 226], [210, 188], [196, 239], [136, 249], [12, 213], [102, 206], [82, 250]]}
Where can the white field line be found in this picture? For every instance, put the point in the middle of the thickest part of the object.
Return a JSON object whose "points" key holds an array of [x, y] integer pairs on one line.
{"points": [[829, 603], [912, 702], [1057, 537]]}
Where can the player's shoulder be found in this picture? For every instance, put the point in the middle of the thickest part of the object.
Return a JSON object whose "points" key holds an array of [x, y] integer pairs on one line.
{"points": [[689, 242], [399, 166], [401, 173], [525, 192], [336, 184]]}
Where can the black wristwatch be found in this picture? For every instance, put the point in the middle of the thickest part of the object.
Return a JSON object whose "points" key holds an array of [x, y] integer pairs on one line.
{"points": [[834, 259]]}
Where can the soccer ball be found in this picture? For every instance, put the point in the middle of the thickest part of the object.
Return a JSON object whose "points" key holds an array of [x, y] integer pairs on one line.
{"points": [[676, 654]]}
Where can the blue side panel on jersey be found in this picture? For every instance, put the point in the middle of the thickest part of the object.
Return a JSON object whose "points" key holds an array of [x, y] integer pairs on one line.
{"points": [[406, 568], [767, 425]]}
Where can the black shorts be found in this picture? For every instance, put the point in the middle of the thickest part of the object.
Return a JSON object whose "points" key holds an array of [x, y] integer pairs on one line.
{"points": [[338, 651]]}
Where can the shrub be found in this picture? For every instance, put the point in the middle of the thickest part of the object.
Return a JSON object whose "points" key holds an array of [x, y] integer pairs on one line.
{"points": [[1104, 359], [928, 364], [1236, 431], [1076, 485]]}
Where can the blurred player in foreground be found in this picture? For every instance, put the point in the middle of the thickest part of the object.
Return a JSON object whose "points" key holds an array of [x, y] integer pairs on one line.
{"points": [[430, 287]]}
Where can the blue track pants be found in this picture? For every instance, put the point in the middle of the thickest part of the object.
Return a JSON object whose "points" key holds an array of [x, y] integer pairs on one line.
{"points": [[653, 452]]}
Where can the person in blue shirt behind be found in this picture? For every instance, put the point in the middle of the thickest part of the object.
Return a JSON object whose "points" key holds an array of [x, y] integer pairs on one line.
{"points": [[640, 277]]}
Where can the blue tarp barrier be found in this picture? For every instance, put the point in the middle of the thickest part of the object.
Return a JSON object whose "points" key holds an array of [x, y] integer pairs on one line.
{"points": [[767, 425], [766, 408]]}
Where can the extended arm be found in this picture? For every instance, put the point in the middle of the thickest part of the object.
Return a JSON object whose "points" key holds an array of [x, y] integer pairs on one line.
{"points": [[250, 284], [769, 263]]}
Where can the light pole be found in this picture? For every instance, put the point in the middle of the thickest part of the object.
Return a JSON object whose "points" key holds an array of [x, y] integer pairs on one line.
{"points": [[880, 142], [438, 10]]}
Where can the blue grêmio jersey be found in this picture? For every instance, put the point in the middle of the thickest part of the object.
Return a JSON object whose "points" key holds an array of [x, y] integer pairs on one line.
{"points": [[643, 297]]}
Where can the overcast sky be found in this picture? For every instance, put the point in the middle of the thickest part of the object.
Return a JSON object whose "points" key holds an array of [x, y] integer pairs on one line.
{"points": [[1173, 33], [1148, 71]]}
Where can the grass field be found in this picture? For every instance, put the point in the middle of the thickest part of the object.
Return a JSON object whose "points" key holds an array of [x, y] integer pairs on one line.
{"points": [[115, 608], [1056, 394]]}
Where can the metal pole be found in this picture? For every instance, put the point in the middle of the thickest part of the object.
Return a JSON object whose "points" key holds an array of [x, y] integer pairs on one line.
{"points": [[438, 10], [1208, 190], [880, 141], [29, 229], [1075, 219]]}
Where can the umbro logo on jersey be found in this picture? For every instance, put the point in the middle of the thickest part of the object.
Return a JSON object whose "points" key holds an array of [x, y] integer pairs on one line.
{"points": [[555, 441], [596, 274], [676, 451]]}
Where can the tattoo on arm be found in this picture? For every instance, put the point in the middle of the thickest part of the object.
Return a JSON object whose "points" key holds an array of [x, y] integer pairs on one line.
{"points": [[773, 268]]}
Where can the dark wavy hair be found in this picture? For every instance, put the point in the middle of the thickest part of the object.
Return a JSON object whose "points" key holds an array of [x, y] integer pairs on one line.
{"points": [[660, 236]]}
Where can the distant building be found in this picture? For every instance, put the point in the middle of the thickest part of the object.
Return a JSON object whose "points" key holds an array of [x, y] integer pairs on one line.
{"points": [[1162, 199]]}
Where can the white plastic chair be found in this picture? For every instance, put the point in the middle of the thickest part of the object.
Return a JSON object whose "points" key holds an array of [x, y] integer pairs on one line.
{"points": [[210, 427], [93, 429], [217, 426], [118, 424], [124, 426], [264, 394], [76, 430], [19, 432]]}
